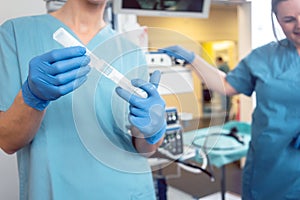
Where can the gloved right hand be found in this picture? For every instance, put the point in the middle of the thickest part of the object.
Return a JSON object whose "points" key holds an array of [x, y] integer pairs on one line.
{"points": [[147, 114], [53, 75], [179, 52]]}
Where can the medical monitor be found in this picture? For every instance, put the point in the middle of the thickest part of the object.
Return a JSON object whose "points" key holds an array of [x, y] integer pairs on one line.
{"points": [[167, 8]]}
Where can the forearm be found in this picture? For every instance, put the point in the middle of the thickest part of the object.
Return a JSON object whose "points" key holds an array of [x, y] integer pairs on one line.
{"points": [[213, 78], [18, 125], [141, 145]]}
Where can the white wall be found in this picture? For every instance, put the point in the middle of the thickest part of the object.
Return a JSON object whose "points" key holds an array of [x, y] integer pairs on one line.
{"points": [[9, 177], [17, 8], [244, 48], [262, 32], [8, 165]]}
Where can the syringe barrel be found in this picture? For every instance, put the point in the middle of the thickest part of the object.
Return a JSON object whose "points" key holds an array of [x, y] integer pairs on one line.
{"points": [[124, 83], [67, 40]]}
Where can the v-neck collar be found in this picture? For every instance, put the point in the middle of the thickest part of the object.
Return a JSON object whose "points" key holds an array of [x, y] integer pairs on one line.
{"points": [[94, 42]]}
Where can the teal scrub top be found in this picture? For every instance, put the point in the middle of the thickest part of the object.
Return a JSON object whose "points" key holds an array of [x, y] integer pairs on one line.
{"points": [[224, 68], [82, 149], [272, 169]]}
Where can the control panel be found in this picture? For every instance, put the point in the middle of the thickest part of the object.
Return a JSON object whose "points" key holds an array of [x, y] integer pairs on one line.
{"points": [[173, 142]]}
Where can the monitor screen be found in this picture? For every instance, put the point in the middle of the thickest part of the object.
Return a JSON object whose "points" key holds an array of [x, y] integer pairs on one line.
{"points": [[170, 8]]}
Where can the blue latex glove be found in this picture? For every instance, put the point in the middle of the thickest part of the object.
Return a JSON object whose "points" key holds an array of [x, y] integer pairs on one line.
{"points": [[53, 75], [147, 114], [179, 53]]}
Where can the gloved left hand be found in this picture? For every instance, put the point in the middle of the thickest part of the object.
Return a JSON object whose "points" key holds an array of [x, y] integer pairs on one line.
{"points": [[147, 114]]}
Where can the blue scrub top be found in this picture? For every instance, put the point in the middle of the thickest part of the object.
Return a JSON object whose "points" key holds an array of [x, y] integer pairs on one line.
{"points": [[82, 149], [272, 168]]}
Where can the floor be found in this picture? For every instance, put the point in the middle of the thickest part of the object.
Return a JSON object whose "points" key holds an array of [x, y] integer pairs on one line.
{"points": [[188, 186], [175, 194]]}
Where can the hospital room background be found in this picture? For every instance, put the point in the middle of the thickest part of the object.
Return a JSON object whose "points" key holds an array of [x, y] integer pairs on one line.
{"points": [[231, 30]]}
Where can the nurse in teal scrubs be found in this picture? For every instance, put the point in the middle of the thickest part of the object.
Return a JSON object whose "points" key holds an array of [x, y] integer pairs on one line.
{"points": [[272, 169], [67, 122]]}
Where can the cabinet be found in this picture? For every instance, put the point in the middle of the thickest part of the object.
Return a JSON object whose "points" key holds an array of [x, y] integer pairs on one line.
{"points": [[174, 79], [177, 89]]}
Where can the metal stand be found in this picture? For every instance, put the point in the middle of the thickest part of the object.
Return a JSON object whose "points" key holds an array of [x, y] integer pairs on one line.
{"points": [[223, 182]]}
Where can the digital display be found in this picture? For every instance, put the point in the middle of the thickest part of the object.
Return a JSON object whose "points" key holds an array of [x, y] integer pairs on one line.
{"points": [[166, 5], [171, 8]]}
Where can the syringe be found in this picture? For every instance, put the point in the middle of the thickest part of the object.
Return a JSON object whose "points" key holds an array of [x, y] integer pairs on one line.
{"points": [[67, 40]]}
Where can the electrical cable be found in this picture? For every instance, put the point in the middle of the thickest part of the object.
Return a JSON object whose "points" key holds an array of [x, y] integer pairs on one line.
{"points": [[211, 176], [189, 165]]}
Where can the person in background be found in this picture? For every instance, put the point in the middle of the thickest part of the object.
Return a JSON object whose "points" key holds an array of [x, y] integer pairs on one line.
{"points": [[225, 100], [46, 114], [272, 169], [222, 65]]}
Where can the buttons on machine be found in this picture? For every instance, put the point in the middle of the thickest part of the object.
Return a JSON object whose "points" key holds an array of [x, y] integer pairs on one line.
{"points": [[173, 142]]}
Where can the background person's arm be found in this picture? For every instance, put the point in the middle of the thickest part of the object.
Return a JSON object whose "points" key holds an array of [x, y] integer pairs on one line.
{"points": [[214, 78], [211, 76]]}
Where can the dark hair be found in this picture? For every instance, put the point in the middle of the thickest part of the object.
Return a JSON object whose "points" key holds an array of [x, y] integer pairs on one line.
{"points": [[274, 12], [274, 5], [219, 58]]}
